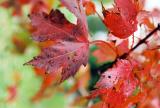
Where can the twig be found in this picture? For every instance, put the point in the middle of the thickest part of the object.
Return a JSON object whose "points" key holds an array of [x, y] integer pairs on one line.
{"points": [[125, 55], [144, 40]]}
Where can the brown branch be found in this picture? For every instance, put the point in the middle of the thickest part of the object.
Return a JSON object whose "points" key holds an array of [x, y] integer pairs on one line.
{"points": [[125, 55], [148, 36]]}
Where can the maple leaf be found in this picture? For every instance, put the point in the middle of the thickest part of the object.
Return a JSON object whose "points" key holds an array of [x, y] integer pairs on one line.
{"points": [[72, 46], [118, 82], [108, 51], [121, 21], [105, 51], [110, 78]]}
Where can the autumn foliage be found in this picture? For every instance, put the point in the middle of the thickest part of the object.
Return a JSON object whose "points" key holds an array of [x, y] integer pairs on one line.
{"points": [[123, 15], [129, 76]]}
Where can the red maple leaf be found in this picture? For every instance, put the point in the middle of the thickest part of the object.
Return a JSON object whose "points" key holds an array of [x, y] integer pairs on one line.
{"points": [[122, 70], [121, 21], [71, 48], [118, 82]]}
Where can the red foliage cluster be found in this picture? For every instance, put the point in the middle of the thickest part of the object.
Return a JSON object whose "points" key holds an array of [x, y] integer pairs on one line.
{"points": [[119, 83], [129, 82]]}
